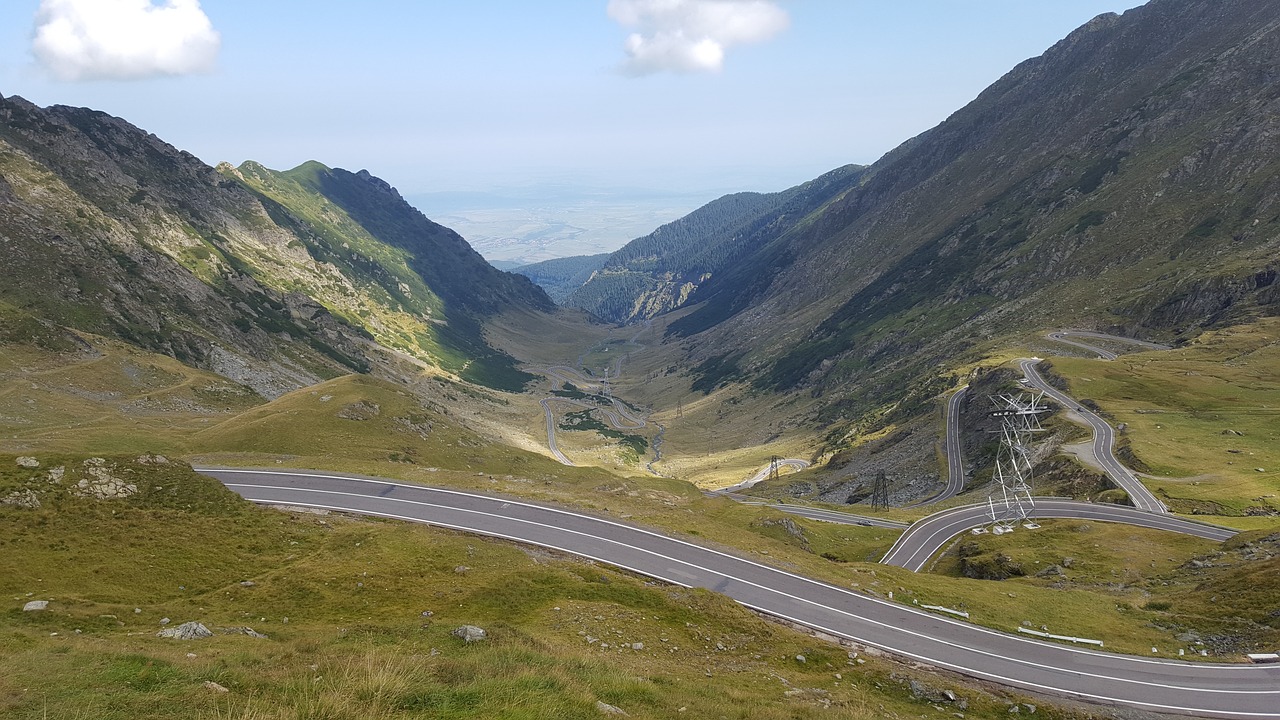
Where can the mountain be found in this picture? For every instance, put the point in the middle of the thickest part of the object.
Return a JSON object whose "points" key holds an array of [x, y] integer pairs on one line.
{"points": [[1125, 179], [561, 276], [277, 280], [658, 272]]}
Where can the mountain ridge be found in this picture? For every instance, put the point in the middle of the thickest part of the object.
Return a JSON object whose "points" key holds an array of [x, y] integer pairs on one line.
{"points": [[658, 272], [111, 230]]}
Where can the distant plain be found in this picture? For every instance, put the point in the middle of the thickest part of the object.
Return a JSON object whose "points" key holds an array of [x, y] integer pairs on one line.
{"points": [[520, 227]]}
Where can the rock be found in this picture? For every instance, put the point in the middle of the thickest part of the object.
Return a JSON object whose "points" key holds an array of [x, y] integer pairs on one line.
{"points": [[101, 484], [26, 499], [247, 583], [362, 410], [211, 685], [1259, 469], [461, 569], [606, 709], [924, 692], [1067, 561], [36, 606], [470, 633], [186, 631], [165, 621], [28, 462], [1051, 571], [242, 630], [637, 646], [800, 658]]}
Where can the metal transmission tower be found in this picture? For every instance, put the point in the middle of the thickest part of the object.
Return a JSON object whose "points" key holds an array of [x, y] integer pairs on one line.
{"points": [[773, 467], [880, 492], [1010, 501]]}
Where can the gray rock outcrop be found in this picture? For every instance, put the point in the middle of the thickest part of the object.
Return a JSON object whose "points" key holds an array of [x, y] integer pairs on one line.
{"points": [[470, 633], [186, 631]]}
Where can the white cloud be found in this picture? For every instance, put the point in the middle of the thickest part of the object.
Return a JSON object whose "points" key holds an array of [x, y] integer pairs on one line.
{"points": [[692, 35], [123, 39]]}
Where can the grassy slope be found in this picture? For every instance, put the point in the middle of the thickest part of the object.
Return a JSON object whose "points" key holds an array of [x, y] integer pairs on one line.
{"points": [[304, 430], [357, 642], [1184, 409], [1157, 579], [403, 268]]}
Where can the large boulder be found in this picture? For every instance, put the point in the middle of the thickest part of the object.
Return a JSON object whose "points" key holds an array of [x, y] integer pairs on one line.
{"points": [[470, 633]]}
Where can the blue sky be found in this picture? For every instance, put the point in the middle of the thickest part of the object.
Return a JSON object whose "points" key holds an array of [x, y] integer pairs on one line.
{"points": [[478, 95]]}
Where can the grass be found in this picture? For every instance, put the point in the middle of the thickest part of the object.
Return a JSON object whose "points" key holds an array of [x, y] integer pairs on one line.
{"points": [[345, 602], [438, 434], [1203, 417], [634, 445]]}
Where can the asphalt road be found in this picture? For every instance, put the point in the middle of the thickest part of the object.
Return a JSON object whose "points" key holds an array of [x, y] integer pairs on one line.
{"points": [[815, 513], [620, 416], [955, 458], [1062, 335], [1151, 683], [793, 463], [1104, 440], [835, 516], [925, 538], [1062, 338], [551, 432]]}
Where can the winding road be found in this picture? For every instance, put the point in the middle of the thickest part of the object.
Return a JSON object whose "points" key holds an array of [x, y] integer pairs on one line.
{"points": [[793, 463], [951, 446], [619, 417], [1150, 683], [925, 538], [835, 516], [551, 432], [1104, 440], [1062, 335]]}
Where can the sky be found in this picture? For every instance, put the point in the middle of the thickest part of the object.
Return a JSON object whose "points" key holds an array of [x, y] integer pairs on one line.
{"points": [[478, 95]]}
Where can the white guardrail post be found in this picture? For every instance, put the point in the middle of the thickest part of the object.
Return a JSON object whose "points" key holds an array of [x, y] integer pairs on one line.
{"points": [[1068, 638], [939, 608]]}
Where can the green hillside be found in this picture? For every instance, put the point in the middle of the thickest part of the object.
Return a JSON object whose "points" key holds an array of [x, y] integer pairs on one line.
{"points": [[658, 272], [279, 281], [425, 290], [1097, 185], [561, 276]]}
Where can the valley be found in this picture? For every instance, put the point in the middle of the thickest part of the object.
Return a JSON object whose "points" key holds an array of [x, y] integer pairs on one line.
{"points": [[986, 426]]}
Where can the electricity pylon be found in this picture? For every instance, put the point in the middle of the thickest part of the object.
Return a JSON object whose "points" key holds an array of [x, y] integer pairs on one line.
{"points": [[1010, 502], [880, 492]]}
